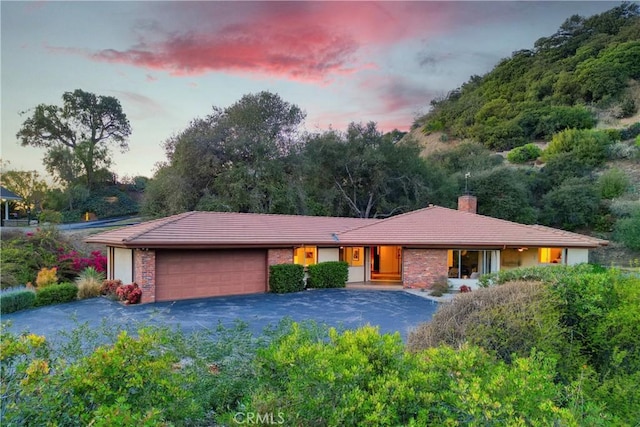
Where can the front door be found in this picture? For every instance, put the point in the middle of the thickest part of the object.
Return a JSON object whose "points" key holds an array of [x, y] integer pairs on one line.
{"points": [[386, 263]]}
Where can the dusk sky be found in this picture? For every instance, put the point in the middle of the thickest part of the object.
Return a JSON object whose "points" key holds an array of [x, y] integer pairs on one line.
{"points": [[170, 62]]}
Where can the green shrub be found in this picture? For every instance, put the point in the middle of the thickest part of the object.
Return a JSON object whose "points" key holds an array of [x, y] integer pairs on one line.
{"points": [[588, 146], [16, 299], [49, 216], [613, 183], [56, 294], [285, 278], [571, 205], [631, 132], [19, 266], [135, 379], [330, 274], [24, 255], [627, 231], [364, 378], [526, 153]]}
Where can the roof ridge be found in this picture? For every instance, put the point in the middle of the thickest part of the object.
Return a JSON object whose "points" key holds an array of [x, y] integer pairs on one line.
{"points": [[159, 223], [284, 215], [387, 219]]}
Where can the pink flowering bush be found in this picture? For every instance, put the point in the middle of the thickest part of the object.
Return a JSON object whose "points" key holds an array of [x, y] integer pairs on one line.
{"points": [[77, 263]]}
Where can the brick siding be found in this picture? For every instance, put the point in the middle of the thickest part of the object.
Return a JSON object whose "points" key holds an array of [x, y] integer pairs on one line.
{"points": [[422, 267], [280, 256], [144, 271]]}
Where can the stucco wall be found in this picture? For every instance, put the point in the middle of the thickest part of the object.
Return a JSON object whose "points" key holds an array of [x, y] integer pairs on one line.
{"points": [[123, 265], [145, 273], [328, 254], [577, 256], [422, 267]]}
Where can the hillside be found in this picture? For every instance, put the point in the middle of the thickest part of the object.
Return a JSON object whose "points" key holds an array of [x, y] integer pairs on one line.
{"points": [[584, 73]]}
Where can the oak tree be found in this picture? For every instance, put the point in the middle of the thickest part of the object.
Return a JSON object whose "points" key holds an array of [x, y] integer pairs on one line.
{"points": [[77, 135]]}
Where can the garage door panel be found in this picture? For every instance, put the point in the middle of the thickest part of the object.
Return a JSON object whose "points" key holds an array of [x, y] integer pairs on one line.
{"points": [[204, 273]]}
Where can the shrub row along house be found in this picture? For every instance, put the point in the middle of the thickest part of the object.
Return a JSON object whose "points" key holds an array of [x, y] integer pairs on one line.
{"points": [[204, 254]]}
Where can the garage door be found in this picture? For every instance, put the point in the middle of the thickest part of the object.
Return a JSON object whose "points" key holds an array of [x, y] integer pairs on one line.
{"points": [[206, 273]]}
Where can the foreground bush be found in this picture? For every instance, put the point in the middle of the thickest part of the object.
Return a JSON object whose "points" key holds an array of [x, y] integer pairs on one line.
{"points": [[364, 378], [132, 378], [590, 315], [285, 278], [508, 321], [330, 274], [56, 294], [13, 300], [104, 376]]}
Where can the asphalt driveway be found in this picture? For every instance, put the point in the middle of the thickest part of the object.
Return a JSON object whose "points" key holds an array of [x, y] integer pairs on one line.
{"points": [[390, 310]]}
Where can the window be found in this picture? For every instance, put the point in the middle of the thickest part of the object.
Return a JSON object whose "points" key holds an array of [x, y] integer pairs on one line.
{"points": [[550, 255], [468, 264], [352, 256], [305, 255]]}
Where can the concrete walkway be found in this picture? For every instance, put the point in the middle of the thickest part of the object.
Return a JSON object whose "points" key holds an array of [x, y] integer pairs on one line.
{"points": [[349, 308]]}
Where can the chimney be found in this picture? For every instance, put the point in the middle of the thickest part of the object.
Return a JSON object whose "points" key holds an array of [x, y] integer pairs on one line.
{"points": [[468, 203]]}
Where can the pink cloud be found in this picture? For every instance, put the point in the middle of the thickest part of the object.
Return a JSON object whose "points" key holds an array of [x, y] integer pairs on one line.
{"points": [[305, 41]]}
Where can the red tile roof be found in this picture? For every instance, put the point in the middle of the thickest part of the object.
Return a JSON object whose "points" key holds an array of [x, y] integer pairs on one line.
{"points": [[436, 226], [429, 227], [228, 229]]}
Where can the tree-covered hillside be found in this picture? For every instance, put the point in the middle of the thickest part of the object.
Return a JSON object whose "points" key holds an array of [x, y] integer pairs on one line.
{"points": [[590, 64]]}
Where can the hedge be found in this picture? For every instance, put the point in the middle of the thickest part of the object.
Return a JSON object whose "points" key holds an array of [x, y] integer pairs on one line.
{"points": [[285, 278], [16, 300], [55, 294], [330, 274]]}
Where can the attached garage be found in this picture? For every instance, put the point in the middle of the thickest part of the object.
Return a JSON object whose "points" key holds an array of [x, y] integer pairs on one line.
{"points": [[182, 274]]}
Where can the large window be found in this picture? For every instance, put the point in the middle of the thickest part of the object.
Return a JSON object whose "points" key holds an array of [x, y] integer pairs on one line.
{"points": [[468, 264], [305, 255]]}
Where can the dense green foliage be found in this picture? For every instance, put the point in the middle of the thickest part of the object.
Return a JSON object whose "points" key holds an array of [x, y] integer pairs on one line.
{"points": [[561, 346], [330, 274], [252, 157], [56, 294], [23, 255], [364, 378], [627, 230], [524, 154], [589, 147], [17, 299], [537, 93], [285, 278], [77, 135], [585, 318], [613, 183]]}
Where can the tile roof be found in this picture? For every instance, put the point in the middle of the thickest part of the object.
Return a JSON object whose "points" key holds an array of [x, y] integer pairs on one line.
{"points": [[442, 227], [210, 229], [429, 227]]}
